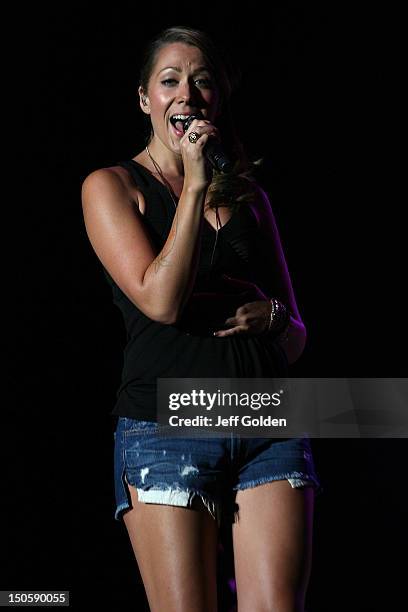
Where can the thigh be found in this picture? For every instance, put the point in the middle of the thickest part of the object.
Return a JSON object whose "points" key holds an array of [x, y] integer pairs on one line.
{"points": [[168, 496], [273, 546], [176, 550]]}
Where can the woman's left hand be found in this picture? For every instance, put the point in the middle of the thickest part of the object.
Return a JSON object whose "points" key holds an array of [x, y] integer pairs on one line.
{"points": [[250, 319]]}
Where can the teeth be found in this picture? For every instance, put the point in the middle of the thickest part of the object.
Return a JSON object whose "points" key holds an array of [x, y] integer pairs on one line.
{"points": [[180, 117]]}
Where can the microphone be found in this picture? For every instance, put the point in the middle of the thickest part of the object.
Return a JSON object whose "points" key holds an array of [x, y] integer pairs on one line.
{"points": [[213, 150]]}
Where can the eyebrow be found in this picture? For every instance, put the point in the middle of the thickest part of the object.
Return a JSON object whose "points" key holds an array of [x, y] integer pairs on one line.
{"points": [[178, 69]]}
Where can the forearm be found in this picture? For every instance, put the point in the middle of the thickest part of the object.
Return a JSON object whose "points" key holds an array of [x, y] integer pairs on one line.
{"points": [[293, 340], [169, 278]]}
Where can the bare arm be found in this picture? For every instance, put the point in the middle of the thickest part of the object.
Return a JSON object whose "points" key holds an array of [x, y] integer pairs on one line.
{"points": [[296, 339], [157, 283]]}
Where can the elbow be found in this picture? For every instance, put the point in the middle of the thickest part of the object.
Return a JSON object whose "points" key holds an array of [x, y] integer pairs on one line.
{"points": [[172, 316], [154, 312], [166, 319], [302, 340], [295, 343], [155, 309], [157, 306], [165, 316]]}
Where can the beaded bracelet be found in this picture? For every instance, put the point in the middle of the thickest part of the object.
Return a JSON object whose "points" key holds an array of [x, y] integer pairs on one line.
{"points": [[279, 315], [280, 319]]}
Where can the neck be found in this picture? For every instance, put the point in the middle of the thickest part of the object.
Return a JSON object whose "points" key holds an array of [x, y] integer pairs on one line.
{"points": [[171, 164]]}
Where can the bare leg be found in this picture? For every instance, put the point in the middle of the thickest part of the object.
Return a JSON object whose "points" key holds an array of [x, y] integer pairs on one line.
{"points": [[176, 551], [273, 547]]}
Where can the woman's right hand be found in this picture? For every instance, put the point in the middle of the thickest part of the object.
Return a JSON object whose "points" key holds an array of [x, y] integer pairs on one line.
{"points": [[197, 169]]}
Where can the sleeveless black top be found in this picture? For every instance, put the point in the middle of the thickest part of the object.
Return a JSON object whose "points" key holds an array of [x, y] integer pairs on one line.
{"points": [[188, 349]]}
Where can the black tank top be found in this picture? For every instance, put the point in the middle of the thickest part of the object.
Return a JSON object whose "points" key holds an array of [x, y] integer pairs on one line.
{"points": [[188, 349]]}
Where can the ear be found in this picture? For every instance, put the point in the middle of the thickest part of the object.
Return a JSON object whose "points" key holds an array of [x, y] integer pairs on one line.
{"points": [[144, 101]]}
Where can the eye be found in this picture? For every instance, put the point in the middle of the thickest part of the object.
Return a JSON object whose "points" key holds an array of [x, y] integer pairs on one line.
{"points": [[206, 83], [168, 82]]}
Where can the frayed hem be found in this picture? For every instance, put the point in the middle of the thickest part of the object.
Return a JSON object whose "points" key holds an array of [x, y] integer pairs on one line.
{"points": [[183, 498], [120, 509], [299, 479]]}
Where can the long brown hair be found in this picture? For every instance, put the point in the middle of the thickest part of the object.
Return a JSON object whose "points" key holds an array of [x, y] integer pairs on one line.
{"points": [[236, 187]]}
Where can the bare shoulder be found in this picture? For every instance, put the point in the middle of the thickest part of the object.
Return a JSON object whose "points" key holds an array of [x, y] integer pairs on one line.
{"points": [[263, 211], [108, 179], [112, 181], [260, 204]]}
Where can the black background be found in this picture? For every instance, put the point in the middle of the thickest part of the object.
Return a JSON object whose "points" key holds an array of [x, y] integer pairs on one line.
{"points": [[319, 102]]}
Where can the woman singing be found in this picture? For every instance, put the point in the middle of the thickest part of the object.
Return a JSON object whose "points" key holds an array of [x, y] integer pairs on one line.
{"points": [[193, 256]]}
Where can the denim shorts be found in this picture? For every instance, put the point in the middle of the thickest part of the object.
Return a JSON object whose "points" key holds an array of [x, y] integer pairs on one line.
{"points": [[185, 471]]}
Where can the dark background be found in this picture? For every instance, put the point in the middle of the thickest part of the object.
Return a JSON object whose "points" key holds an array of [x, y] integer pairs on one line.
{"points": [[319, 102]]}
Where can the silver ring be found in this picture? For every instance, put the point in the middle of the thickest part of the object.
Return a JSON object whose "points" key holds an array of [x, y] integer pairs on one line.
{"points": [[193, 137]]}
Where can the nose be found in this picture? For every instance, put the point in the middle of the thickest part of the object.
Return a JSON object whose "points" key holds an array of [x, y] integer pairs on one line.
{"points": [[187, 91]]}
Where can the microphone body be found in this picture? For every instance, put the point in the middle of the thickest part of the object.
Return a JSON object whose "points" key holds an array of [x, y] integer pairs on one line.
{"points": [[213, 150]]}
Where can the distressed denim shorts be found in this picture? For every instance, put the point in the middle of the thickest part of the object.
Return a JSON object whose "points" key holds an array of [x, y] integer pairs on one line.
{"points": [[185, 471]]}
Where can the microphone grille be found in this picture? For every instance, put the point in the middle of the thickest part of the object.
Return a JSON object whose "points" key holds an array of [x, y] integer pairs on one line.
{"points": [[187, 122]]}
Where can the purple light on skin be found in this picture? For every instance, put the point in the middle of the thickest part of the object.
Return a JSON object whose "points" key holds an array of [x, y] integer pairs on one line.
{"points": [[232, 585]]}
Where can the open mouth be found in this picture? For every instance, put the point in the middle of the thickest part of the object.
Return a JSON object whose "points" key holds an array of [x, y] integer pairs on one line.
{"points": [[177, 122]]}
